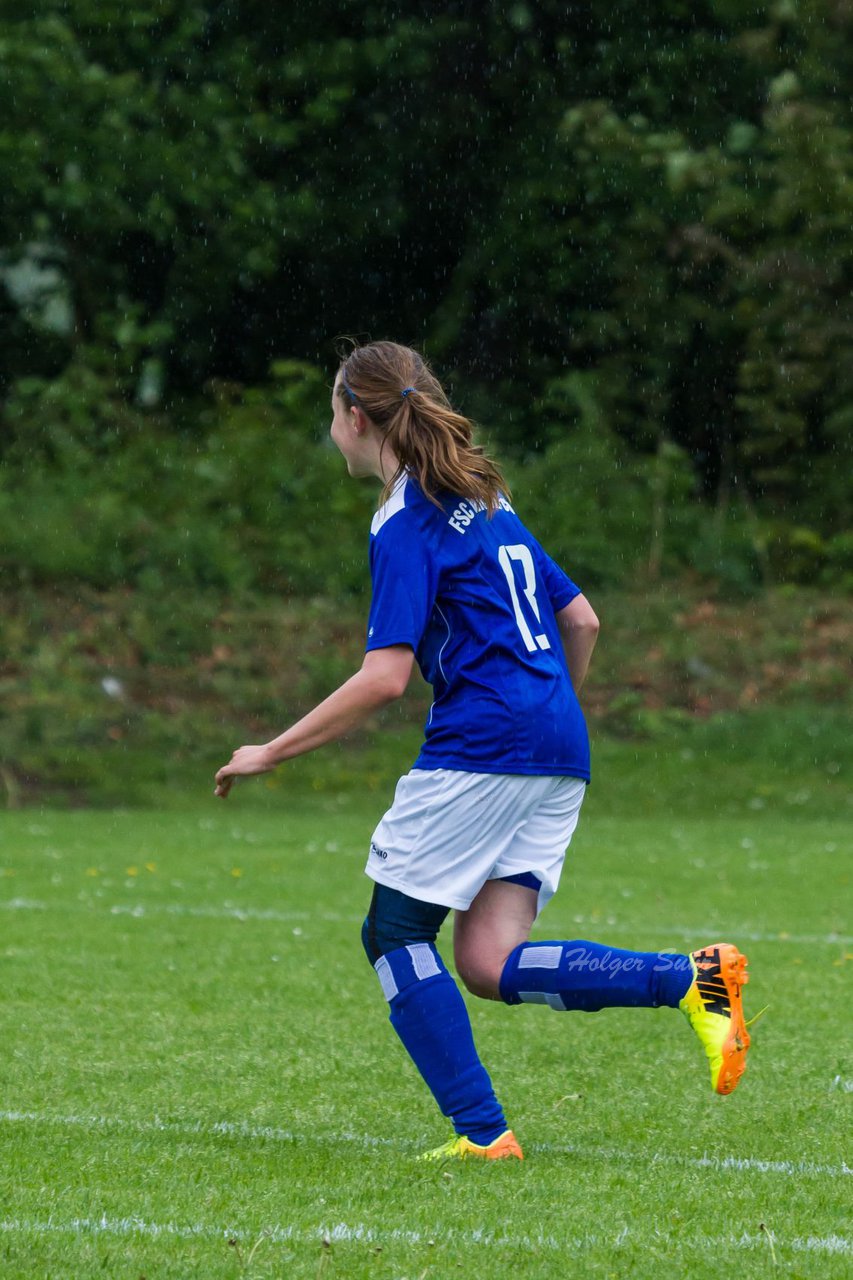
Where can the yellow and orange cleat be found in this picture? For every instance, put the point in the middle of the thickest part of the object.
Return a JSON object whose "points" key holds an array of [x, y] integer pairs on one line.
{"points": [[460, 1148], [714, 1009]]}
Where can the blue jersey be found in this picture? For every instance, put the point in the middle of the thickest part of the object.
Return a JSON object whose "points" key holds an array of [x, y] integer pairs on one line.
{"points": [[475, 597]]}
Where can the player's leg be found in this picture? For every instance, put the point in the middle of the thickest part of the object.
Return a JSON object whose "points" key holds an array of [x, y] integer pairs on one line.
{"points": [[496, 961], [436, 845], [496, 923], [705, 985], [429, 1015]]}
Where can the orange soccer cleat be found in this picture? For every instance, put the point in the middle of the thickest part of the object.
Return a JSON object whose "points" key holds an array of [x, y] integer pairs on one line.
{"points": [[714, 1009], [461, 1148]]}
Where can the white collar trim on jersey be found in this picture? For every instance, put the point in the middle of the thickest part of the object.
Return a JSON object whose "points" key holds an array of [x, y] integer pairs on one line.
{"points": [[395, 503]]}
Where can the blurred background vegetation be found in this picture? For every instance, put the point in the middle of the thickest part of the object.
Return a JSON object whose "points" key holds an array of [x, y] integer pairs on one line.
{"points": [[622, 233]]}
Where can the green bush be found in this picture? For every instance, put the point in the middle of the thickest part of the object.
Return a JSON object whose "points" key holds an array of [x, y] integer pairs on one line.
{"points": [[838, 570], [252, 498], [243, 491], [605, 511], [729, 548]]}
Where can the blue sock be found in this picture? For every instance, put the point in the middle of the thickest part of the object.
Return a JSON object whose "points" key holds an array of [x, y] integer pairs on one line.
{"points": [[429, 1015], [589, 976]]}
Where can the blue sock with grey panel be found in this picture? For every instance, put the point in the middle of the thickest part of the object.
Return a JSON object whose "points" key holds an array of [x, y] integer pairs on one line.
{"points": [[589, 976], [430, 1017]]}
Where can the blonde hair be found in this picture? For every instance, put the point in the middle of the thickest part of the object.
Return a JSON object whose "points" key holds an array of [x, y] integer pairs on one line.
{"points": [[431, 440]]}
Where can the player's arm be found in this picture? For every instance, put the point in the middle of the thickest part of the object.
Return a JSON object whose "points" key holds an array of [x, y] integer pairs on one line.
{"points": [[383, 677], [579, 626]]}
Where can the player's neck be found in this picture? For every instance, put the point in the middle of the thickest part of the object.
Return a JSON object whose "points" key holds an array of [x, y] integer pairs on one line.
{"points": [[386, 464]]}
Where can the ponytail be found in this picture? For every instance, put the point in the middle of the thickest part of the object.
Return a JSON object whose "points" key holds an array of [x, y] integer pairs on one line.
{"points": [[401, 396]]}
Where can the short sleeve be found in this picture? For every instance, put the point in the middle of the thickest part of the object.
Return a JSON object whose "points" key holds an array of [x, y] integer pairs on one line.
{"points": [[403, 587], [559, 588]]}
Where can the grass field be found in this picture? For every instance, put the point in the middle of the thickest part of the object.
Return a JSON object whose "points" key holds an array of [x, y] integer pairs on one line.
{"points": [[198, 1077]]}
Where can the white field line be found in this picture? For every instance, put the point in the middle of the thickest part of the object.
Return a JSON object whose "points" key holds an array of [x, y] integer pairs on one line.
{"points": [[341, 1232], [745, 1164], [727, 1163], [141, 911]]}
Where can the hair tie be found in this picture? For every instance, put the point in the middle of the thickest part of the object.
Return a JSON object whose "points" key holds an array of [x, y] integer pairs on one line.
{"points": [[405, 392]]}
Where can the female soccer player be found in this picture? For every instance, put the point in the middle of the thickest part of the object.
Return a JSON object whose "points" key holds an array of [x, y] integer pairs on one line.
{"points": [[481, 823]]}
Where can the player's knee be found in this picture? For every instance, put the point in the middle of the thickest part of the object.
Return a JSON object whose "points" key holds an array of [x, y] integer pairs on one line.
{"points": [[368, 941], [396, 920], [480, 976], [480, 960], [473, 980]]}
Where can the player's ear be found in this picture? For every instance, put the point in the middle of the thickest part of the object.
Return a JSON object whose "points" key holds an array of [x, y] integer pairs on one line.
{"points": [[360, 420]]}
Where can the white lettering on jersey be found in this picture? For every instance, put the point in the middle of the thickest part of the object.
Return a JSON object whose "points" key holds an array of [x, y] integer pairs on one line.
{"points": [[466, 511]]}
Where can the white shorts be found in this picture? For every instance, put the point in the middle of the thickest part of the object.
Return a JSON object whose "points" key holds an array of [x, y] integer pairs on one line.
{"points": [[448, 832]]}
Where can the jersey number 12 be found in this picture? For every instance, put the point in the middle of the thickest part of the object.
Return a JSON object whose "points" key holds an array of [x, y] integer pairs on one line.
{"points": [[521, 555]]}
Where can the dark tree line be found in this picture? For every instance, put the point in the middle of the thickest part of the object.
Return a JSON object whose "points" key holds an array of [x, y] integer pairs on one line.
{"points": [[622, 230]]}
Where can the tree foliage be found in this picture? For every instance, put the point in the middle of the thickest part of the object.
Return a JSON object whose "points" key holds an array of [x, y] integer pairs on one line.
{"points": [[621, 230]]}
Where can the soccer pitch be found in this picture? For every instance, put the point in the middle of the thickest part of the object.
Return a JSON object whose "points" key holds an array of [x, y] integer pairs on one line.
{"points": [[199, 1079]]}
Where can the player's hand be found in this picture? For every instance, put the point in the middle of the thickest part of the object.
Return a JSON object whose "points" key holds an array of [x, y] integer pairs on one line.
{"points": [[245, 762]]}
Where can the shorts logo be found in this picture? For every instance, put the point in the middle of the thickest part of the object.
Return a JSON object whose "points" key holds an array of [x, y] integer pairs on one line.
{"points": [[379, 853]]}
